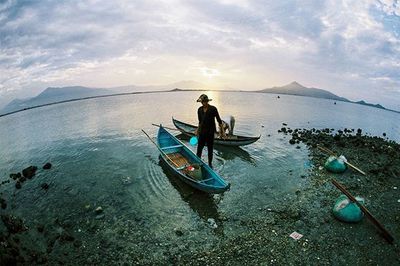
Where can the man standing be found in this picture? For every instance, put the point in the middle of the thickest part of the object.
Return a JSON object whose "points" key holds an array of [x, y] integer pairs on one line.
{"points": [[206, 129]]}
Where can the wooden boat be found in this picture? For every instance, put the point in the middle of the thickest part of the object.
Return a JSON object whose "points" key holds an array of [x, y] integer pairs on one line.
{"points": [[187, 166], [234, 140]]}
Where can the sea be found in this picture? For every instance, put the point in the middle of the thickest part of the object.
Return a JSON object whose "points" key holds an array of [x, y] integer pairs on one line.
{"points": [[101, 158]]}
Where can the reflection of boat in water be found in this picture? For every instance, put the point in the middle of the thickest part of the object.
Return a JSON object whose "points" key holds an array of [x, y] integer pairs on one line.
{"points": [[202, 203], [234, 140], [230, 153]]}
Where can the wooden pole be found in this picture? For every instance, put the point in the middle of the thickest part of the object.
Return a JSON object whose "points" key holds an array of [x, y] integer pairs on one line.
{"points": [[166, 155], [170, 128], [385, 233], [333, 154]]}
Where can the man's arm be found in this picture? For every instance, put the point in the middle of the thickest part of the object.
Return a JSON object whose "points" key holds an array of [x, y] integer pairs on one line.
{"points": [[196, 132], [219, 120]]}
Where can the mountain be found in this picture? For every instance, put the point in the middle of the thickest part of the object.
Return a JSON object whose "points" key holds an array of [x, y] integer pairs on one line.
{"points": [[295, 88], [52, 95]]}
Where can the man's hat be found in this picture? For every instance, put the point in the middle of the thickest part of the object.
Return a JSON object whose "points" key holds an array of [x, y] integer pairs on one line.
{"points": [[203, 98]]}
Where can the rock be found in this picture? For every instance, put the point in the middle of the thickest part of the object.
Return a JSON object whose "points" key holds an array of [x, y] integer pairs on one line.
{"points": [[66, 236], [3, 203], [45, 186], [13, 223], [18, 185], [40, 228], [211, 222], [178, 232], [15, 176], [29, 172], [292, 141], [98, 210], [47, 166]]}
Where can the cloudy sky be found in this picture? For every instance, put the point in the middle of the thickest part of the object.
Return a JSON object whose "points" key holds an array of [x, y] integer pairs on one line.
{"points": [[349, 47]]}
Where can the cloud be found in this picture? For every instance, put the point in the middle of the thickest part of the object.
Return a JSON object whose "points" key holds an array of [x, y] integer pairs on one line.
{"points": [[349, 47]]}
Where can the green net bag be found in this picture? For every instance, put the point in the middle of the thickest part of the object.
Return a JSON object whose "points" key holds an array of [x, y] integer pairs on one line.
{"points": [[347, 211], [336, 165]]}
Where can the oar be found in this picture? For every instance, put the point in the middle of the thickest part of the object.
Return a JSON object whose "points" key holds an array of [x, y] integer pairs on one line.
{"points": [[158, 147], [349, 164], [386, 234], [170, 128]]}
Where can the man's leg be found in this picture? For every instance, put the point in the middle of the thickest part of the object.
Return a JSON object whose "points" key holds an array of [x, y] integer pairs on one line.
{"points": [[200, 145], [210, 149]]}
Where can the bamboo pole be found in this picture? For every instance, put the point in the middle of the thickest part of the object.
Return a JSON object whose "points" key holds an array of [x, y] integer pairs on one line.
{"points": [[170, 128], [333, 154], [389, 238], [166, 155]]}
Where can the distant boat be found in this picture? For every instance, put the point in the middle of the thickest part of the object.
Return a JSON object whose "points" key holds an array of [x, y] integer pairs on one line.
{"points": [[187, 166], [234, 140]]}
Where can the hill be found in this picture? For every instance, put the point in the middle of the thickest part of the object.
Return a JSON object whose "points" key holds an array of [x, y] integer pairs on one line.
{"points": [[295, 88], [52, 95]]}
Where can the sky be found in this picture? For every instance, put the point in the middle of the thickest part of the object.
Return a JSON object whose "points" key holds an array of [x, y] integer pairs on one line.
{"points": [[349, 47]]}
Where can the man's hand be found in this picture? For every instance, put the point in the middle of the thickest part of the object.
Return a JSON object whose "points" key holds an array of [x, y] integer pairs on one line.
{"points": [[196, 132]]}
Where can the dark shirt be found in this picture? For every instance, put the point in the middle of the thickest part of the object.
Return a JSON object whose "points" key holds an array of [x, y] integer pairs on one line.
{"points": [[206, 120]]}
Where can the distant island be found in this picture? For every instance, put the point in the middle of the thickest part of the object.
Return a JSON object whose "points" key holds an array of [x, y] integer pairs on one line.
{"points": [[53, 95], [297, 89]]}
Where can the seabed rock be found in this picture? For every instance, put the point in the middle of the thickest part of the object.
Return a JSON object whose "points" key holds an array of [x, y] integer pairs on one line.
{"points": [[13, 223], [29, 172], [47, 166]]}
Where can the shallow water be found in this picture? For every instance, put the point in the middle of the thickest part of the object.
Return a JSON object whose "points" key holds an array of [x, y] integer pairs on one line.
{"points": [[101, 158]]}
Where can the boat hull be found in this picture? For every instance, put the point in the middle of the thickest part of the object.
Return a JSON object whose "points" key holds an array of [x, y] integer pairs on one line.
{"points": [[235, 140], [178, 158]]}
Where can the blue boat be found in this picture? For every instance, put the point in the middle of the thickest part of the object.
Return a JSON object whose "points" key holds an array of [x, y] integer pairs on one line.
{"points": [[187, 166]]}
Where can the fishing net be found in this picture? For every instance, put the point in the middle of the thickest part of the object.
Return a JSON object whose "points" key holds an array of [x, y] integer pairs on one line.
{"points": [[336, 165], [194, 171], [347, 211]]}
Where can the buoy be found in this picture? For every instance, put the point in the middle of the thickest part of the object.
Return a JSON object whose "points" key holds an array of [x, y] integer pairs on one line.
{"points": [[193, 140]]}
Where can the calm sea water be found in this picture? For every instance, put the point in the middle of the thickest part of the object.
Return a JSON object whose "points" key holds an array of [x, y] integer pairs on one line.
{"points": [[101, 158]]}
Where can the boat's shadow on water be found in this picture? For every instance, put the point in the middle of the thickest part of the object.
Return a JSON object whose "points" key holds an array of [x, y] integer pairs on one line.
{"points": [[227, 152], [204, 204]]}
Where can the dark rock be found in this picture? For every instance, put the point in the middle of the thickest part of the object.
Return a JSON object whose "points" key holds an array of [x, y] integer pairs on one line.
{"points": [[359, 131], [47, 166], [178, 232], [292, 141], [40, 228], [13, 224], [99, 210], [29, 172], [65, 236], [15, 176], [384, 134], [77, 243], [18, 185], [45, 186], [3, 203]]}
